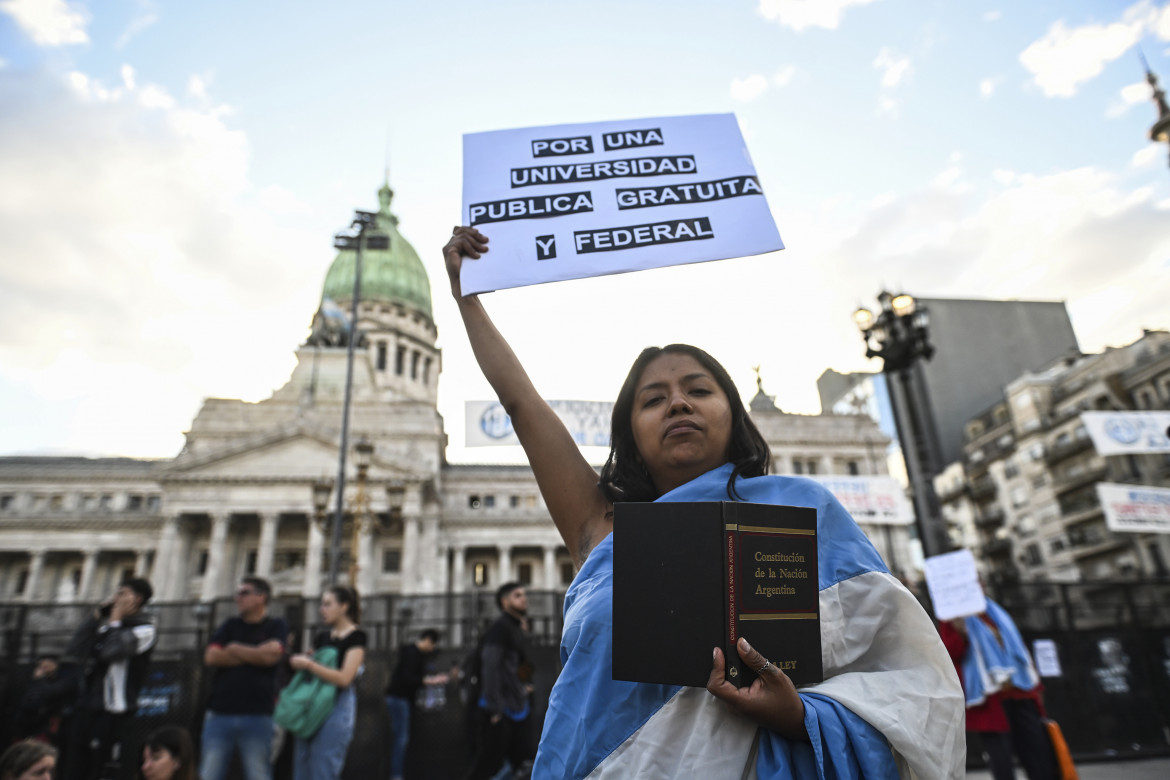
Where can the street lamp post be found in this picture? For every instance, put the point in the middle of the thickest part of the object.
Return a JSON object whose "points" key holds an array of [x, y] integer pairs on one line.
{"points": [[363, 222], [899, 335]]}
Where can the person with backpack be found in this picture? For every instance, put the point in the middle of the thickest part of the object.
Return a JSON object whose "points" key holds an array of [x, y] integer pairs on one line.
{"points": [[322, 755]]}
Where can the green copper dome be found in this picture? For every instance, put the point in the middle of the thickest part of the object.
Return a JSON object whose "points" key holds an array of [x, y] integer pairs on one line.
{"points": [[394, 275]]}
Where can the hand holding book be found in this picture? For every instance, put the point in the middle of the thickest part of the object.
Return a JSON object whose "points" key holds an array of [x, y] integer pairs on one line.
{"points": [[771, 701]]}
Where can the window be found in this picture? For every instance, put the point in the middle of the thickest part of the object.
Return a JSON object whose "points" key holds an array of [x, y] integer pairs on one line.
{"points": [[391, 561], [134, 504], [127, 574], [38, 503], [106, 502], [812, 467], [75, 578], [381, 359], [974, 428], [1056, 545], [1011, 470], [1019, 496], [399, 360], [524, 573], [201, 568], [1039, 481], [479, 574], [566, 573], [513, 502], [153, 503], [473, 502], [250, 562], [7, 501], [852, 469], [414, 356], [21, 582], [427, 371], [1032, 555], [489, 502], [56, 502], [797, 467]]}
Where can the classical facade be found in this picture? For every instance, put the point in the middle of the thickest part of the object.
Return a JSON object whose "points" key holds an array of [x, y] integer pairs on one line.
{"points": [[1023, 497], [239, 497]]}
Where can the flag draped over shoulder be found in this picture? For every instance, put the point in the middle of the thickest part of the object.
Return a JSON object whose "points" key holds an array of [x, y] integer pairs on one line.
{"points": [[890, 706]]}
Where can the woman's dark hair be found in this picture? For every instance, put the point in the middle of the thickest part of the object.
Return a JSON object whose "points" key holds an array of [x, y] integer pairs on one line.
{"points": [[348, 596], [624, 477], [176, 741], [22, 756]]}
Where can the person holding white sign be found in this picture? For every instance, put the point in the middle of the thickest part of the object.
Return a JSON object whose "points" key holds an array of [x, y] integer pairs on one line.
{"points": [[1003, 691], [890, 705]]}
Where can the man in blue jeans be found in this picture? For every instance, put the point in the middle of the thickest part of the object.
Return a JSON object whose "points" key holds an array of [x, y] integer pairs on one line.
{"points": [[414, 669], [244, 651]]}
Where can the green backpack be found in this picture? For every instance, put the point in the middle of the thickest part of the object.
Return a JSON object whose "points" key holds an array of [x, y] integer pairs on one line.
{"points": [[307, 700]]}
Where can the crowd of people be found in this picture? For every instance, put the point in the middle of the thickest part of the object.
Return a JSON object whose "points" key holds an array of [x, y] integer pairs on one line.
{"points": [[71, 717]]}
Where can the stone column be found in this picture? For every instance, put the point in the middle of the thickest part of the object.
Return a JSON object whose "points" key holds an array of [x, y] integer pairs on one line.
{"points": [[164, 574], [36, 568], [311, 588], [550, 568], [411, 512], [267, 549], [88, 568], [365, 559], [141, 559], [504, 561], [216, 552], [825, 466], [459, 554]]}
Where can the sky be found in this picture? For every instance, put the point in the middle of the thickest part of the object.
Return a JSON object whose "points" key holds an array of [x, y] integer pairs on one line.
{"points": [[172, 174]]}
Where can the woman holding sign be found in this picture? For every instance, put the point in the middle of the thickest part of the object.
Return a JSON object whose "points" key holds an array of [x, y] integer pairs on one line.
{"points": [[890, 705]]}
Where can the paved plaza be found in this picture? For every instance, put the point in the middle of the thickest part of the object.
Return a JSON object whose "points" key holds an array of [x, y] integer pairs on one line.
{"points": [[1138, 769]]}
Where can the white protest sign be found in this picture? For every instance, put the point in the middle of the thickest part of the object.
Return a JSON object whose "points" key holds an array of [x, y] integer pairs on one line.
{"points": [[487, 424], [953, 582], [571, 201], [1047, 659], [1121, 433], [873, 500], [1135, 508]]}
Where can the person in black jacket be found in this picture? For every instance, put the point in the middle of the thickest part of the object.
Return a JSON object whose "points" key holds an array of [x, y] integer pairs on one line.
{"points": [[506, 678], [414, 669], [113, 648], [43, 702]]}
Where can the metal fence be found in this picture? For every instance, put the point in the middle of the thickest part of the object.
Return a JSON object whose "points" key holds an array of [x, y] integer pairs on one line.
{"points": [[178, 684], [1112, 696]]}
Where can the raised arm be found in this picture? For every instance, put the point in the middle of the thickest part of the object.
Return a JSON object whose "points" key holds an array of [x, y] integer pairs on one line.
{"points": [[566, 480]]}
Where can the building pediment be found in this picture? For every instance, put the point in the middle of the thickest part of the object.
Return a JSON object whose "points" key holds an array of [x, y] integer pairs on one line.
{"points": [[296, 454]]}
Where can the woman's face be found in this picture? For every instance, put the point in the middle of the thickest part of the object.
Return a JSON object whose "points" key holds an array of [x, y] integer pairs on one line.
{"points": [[159, 764], [331, 610], [41, 770], [681, 420]]}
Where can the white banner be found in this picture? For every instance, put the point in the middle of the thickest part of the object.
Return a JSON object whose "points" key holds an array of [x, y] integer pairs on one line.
{"points": [[571, 201], [875, 500], [588, 422], [953, 582], [1135, 508], [1121, 433]]}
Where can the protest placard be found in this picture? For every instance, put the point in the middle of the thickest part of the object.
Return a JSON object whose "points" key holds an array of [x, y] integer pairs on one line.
{"points": [[1122, 433], [953, 582], [1135, 508], [870, 500], [571, 201], [588, 422]]}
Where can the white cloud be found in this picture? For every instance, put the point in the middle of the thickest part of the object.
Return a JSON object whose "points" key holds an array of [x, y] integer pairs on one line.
{"points": [[749, 88], [784, 77], [128, 77], [147, 16], [1130, 96], [48, 22], [1065, 58], [894, 67], [167, 260], [987, 87], [802, 14], [993, 16], [1148, 156]]}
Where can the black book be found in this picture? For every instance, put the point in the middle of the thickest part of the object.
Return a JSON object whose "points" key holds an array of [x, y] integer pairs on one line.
{"points": [[692, 576]]}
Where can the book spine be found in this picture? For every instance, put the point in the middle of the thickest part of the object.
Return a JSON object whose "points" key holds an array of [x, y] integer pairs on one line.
{"points": [[734, 669]]}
